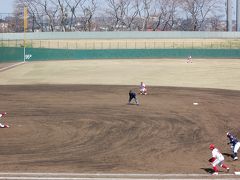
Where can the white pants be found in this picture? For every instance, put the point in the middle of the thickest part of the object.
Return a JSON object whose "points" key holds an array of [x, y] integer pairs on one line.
{"points": [[236, 147], [218, 162], [143, 90]]}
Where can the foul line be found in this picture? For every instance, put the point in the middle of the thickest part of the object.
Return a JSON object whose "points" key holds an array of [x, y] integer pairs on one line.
{"points": [[8, 67], [67, 178], [99, 175], [87, 176]]}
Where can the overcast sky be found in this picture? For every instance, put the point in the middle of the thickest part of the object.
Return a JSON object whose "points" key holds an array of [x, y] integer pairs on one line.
{"points": [[6, 6]]}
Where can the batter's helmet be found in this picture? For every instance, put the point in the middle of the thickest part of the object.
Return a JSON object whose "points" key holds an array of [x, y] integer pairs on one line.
{"points": [[211, 146]]}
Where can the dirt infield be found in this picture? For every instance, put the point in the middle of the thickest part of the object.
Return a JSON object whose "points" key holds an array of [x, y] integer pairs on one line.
{"points": [[91, 129], [70, 127]]}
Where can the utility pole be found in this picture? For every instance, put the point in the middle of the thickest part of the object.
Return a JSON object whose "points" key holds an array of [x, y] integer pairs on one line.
{"points": [[238, 15], [229, 15]]}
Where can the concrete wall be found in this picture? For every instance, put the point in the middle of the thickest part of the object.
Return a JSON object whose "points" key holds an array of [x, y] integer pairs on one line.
{"points": [[120, 35]]}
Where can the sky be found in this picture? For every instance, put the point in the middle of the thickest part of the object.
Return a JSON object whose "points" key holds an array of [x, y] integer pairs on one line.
{"points": [[6, 6]]}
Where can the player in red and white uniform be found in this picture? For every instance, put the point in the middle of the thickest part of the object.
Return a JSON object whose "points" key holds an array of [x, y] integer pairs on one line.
{"points": [[217, 159], [143, 89], [3, 125]]}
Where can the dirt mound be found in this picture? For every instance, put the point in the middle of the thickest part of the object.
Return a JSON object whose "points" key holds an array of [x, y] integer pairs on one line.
{"points": [[81, 128]]}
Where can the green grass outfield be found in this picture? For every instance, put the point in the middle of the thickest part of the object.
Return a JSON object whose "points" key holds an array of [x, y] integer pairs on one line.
{"points": [[204, 73]]}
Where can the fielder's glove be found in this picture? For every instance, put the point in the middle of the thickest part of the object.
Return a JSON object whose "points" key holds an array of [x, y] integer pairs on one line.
{"points": [[212, 159]]}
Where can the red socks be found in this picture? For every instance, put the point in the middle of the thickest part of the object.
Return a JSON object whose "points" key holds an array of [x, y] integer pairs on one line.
{"points": [[215, 169], [224, 166]]}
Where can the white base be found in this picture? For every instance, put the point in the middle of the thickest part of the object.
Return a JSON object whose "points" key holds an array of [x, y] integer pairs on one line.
{"points": [[237, 173]]}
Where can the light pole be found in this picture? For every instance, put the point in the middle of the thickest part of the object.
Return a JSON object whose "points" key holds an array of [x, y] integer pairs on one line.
{"points": [[229, 15], [238, 15]]}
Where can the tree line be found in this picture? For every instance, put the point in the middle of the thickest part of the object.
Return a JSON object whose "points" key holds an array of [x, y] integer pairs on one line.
{"points": [[120, 15]]}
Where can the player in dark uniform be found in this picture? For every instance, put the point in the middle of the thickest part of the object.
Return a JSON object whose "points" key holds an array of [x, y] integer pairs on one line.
{"points": [[235, 144], [132, 95]]}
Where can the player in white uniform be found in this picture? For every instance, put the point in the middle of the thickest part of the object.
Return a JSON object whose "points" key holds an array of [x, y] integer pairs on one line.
{"points": [[3, 125], [143, 89], [189, 59], [217, 159]]}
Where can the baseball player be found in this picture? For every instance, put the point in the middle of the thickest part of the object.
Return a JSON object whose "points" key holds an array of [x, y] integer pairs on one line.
{"points": [[235, 145], [132, 95], [217, 159], [143, 89], [189, 59], [3, 125]]}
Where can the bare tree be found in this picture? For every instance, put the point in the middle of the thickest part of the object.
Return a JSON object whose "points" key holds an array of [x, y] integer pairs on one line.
{"points": [[120, 15], [114, 12], [50, 9], [131, 11], [37, 10], [73, 6], [216, 24], [123, 7], [145, 15], [197, 11], [63, 14], [88, 13], [165, 14]]}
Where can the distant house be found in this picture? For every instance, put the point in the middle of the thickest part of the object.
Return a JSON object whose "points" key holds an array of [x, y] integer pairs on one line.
{"points": [[3, 26]]}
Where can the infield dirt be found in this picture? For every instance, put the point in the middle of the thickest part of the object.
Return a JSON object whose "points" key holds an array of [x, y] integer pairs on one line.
{"points": [[91, 129]]}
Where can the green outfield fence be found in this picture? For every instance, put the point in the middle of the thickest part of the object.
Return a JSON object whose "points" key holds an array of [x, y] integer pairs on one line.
{"points": [[118, 45], [42, 54], [11, 54]]}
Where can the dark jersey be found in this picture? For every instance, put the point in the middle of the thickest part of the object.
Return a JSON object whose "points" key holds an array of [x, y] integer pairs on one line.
{"points": [[132, 94], [233, 140]]}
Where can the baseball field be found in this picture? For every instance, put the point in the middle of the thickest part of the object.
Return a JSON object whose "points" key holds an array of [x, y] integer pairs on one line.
{"points": [[73, 116]]}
